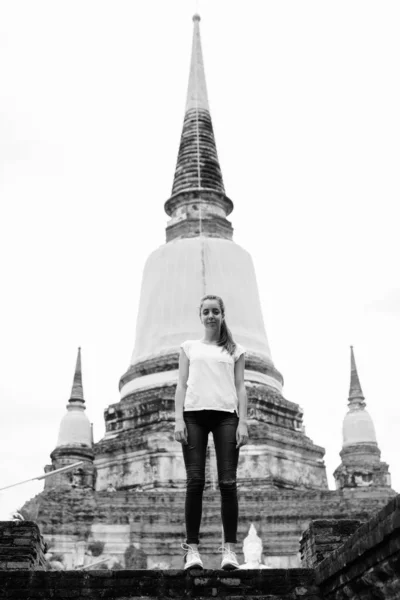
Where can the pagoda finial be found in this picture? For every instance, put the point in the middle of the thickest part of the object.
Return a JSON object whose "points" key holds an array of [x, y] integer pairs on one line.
{"points": [[197, 89], [77, 389], [355, 393], [198, 204]]}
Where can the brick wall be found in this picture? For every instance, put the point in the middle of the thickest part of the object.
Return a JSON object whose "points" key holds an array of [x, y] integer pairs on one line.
{"points": [[367, 565], [322, 537], [279, 584], [21, 546]]}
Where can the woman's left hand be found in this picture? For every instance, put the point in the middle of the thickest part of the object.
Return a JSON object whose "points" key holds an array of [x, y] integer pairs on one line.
{"points": [[242, 435]]}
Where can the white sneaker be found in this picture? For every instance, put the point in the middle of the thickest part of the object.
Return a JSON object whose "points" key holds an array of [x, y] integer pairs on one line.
{"points": [[192, 557], [229, 560]]}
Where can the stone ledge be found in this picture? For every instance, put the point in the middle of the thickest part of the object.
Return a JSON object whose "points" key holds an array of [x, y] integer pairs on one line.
{"points": [[368, 563], [21, 546], [322, 537], [382, 527], [274, 584]]}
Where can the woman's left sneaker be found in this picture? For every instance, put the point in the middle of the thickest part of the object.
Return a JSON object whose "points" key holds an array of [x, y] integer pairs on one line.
{"points": [[229, 560]]}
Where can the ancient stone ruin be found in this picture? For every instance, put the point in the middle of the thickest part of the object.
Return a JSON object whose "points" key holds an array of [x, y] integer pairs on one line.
{"points": [[115, 523]]}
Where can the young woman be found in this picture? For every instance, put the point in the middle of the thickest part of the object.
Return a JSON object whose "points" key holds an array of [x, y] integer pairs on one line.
{"points": [[211, 397]]}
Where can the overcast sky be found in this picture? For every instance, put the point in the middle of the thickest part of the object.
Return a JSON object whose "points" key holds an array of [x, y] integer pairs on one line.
{"points": [[305, 103]]}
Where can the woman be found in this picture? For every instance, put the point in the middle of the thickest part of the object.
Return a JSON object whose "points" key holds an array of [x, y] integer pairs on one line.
{"points": [[211, 396]]}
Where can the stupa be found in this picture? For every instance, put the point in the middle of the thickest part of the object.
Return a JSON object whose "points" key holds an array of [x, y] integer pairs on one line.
{"points": [[128, 501], [75, 441], [361, 464], [200, 257]]}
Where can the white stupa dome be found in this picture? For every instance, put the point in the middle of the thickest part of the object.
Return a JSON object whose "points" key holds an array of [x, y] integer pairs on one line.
{"points": [[175, 278], [75, 428], [358, 428]]}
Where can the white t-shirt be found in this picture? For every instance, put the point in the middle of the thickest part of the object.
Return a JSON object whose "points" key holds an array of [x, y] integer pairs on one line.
{"points": [[211, 381]]}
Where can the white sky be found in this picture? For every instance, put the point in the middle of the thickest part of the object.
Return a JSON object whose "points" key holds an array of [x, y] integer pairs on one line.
{"points": [[305, 103]]}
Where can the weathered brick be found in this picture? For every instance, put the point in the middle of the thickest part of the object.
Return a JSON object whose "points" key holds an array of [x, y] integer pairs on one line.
{"points": [[368, 564], [23, 564], [158, 584], [21, 546]]}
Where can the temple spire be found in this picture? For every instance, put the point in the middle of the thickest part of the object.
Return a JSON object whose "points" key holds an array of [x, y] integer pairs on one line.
{"points": [[355, 394], [77, 389], [198, 205], [197, 165]]}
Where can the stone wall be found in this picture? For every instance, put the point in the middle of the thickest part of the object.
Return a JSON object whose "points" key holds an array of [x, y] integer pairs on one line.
{"points": [[21, 546], [127, 521], [322, 537], [367, 565], [297, 584], [139, 449]]}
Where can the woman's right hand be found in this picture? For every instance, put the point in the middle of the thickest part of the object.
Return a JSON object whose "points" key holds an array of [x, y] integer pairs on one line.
{"points": [[180, 431]]}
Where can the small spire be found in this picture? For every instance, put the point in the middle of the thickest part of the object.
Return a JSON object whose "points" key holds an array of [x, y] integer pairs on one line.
{"points": [[355, 393], [77, 389]]}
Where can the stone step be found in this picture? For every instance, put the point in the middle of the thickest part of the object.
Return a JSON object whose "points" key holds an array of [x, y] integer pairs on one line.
{"points": [[267, 584]]}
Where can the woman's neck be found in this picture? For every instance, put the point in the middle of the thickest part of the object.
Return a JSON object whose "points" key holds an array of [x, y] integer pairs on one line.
{"points": [[211, 337]]}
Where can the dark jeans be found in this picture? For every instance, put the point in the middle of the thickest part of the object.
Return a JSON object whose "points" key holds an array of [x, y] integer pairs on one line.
{"points": [[223, 426]]}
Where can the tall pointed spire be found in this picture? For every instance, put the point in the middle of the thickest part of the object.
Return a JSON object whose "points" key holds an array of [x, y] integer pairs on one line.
{"points": [[198, 176], [197, 166], [77, 388], [355, 393]]}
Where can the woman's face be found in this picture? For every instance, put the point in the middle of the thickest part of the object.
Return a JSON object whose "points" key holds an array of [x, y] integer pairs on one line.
{"points": [[211, 315]]}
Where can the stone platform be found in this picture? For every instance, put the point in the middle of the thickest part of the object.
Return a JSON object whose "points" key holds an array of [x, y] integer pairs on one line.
{"points": [[268, 584]]}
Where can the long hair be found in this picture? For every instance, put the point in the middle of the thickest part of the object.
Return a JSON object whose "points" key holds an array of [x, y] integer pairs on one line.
{"points": [[226, 340]]}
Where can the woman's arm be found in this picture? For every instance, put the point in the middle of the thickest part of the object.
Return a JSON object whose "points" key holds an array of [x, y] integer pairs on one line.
{"points": [[242, 435], [180, 427]]}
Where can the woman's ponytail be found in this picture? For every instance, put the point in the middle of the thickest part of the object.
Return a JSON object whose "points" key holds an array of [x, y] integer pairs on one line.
{"points": [[226, 339]]}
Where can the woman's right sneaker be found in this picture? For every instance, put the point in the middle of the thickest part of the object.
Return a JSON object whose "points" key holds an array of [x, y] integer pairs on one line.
{"points": [[229, 560], [192, 557]]}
